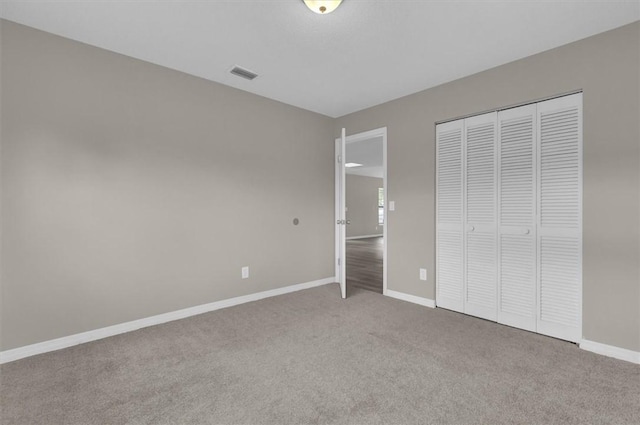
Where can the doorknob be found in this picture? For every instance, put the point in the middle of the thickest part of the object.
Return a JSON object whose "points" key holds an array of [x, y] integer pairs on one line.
{"points": [[527, 231], [472, 228], [348, 221]]}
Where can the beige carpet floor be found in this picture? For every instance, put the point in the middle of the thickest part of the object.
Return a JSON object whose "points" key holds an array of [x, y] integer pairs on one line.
{"points": [[311, 358]]}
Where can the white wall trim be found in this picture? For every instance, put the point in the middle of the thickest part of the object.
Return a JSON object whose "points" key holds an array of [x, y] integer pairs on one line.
{"points": [[410, 298], [76, 339], [611, 351], [363, 237]]}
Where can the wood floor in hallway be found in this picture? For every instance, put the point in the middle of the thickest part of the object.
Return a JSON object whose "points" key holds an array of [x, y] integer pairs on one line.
{"points": [[364, 263]]}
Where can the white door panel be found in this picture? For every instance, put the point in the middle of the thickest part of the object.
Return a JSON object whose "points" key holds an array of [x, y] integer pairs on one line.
{"points": [[560, 217], [449, 215], [480, 216], [517, 217]]}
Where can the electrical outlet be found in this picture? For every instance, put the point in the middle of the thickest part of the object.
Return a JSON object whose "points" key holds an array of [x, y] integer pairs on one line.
{"points": [[245, 272], [423, 274]]}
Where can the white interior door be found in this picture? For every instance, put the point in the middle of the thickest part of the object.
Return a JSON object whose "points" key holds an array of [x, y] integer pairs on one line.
{"points": [[559, 240], [480, 287], [517, 217], [340, 215], [449, 215]]}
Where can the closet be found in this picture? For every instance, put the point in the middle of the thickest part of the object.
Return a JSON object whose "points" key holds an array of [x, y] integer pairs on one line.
{"points": [[509, 216]]}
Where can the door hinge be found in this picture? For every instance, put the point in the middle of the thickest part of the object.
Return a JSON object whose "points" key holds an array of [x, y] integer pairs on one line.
{"points": [[338, 261]]}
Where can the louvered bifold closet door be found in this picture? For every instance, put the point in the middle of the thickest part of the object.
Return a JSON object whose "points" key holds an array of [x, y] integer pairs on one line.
{"points": [[517, 217], [560, 217], [480, 286], [449, 215]]}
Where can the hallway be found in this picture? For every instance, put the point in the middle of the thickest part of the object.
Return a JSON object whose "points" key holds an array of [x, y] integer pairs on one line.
{"points": [[364, 263]]}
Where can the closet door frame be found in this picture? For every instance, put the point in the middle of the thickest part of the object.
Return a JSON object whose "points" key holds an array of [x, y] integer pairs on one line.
{"points": [[573, 99]]}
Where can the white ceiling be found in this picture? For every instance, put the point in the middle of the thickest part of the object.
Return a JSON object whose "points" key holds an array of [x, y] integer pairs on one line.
{"points": [[367, 152], [365, 53]]}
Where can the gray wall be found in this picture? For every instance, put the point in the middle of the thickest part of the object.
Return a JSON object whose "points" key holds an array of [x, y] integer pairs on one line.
{"points": [[607, 68], [130, 190], [362, 205]]}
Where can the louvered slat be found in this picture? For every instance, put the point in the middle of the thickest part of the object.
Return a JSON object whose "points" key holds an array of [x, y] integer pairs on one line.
{"points": [[559, 169], [450, 176], [449, 266], [481, 272], [516, 171], [480, 173], [559, 292], [518, 277]]}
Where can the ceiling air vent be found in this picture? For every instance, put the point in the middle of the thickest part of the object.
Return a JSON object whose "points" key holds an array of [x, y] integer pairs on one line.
{"points": [[244, 73]]}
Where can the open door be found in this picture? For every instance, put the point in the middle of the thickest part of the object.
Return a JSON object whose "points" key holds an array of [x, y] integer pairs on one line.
{"points": [[341, 217]]}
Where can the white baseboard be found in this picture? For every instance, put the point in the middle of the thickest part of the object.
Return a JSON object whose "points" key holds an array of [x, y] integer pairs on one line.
{"points": [[363, 237], [611, 351], [410, 298], [76, 339]]}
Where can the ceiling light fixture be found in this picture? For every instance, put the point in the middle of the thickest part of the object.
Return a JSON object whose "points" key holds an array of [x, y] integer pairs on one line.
{"points": [[352, 164], [322, 7]]}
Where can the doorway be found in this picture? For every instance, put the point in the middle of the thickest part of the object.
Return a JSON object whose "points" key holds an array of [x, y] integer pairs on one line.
{"points": [[361, 211]]}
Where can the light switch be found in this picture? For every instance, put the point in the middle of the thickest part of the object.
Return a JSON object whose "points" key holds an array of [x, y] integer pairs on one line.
{"points": [[245, 272], [392, 205], [423, 274]]}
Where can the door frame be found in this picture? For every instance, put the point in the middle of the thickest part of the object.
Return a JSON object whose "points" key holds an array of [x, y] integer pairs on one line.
{"points": [[340, 214], [378, 132]]}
